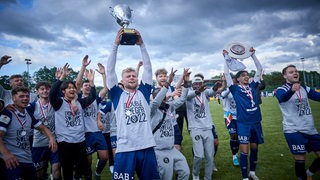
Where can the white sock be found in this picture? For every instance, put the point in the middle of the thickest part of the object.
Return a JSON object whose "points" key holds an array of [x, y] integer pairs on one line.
{"points": [[234, 156], [309, 173], [252, 173]]}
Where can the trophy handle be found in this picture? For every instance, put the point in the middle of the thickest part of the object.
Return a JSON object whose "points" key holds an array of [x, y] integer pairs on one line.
{"points": [[112, 12]]}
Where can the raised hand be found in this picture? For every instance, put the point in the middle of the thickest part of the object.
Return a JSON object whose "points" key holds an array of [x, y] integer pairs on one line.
{"points": [[5, 60], [86, 61], [202, 88], [65, 72], [139, 41], [186, 74], [171, 75], [101, 69], [58, 73], [90, 75], [118, 37]]}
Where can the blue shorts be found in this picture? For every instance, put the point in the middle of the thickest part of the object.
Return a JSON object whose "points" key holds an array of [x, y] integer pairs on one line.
{"points": [[42, 155], [250, 133], [22, 171], [232, 127], [214, 132], [95, 141], [144, 162], [300, 143]]}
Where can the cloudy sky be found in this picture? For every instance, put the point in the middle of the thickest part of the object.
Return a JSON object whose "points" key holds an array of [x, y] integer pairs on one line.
{"points": [[177, 33]]}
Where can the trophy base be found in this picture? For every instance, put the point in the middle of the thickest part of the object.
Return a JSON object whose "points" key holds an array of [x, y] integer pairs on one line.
{"points": [[128, 37]]}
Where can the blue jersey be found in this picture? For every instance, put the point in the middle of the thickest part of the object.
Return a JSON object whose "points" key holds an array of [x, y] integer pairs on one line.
{"points": [[248, 109]]}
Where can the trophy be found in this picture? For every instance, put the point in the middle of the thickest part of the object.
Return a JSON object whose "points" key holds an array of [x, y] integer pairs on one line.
{"points": [[237, 51], [123, 14]]}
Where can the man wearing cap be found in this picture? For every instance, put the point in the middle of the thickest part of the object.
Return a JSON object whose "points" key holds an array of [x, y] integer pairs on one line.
{"points": [[200, 126], [248, 114]]}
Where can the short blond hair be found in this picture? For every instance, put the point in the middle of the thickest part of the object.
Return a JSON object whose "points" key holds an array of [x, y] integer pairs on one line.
{"points": [[161, 71], [127, 70]]}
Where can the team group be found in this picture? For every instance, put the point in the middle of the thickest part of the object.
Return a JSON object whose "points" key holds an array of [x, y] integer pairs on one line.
{"points": [[134, 125]]}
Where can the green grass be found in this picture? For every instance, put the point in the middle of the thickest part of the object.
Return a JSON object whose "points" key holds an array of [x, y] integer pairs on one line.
{"points": [[275, 161]]}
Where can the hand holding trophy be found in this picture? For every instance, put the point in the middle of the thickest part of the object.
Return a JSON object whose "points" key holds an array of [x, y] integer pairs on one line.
{"points": [[236, 51], [123, 14]]}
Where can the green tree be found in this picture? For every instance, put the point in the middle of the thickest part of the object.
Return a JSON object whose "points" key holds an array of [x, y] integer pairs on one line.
{"points": [[4, 81], [46, 74]]}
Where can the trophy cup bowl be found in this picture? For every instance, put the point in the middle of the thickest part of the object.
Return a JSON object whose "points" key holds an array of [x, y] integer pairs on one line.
{"points": [[123, 15]]}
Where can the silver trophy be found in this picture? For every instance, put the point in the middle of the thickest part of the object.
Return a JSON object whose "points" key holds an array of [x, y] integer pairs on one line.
{"points": [[123, 14]]}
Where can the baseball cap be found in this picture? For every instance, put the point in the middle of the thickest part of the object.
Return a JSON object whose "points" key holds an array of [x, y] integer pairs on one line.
{"points": [[197, 80]]}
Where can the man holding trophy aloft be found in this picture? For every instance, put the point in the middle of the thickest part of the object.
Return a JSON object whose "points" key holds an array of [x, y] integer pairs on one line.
{"points": [[248, 110], [131, 131]]}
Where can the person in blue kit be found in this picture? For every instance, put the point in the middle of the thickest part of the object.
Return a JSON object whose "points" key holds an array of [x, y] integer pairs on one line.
{"points": [[134, 138], [298, 124], [248, 114]]}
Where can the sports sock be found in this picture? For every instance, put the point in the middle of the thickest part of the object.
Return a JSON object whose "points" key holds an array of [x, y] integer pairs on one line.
{"points": [[300, 169], [244, 164], [234, 145], [315, 166], [100, 166], [253, 159]]}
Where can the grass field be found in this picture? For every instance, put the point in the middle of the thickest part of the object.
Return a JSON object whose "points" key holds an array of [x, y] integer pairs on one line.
{"points": [[275, 161]]}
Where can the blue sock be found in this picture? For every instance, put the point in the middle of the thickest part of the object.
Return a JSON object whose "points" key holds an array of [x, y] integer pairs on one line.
{"points": [[244, 164], [253, 159], [300, 169]]}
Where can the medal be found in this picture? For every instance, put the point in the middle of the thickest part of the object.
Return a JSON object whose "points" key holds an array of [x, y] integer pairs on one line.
{"points": [[128, 113], [45, 123], [23, 133], [252, 103]]}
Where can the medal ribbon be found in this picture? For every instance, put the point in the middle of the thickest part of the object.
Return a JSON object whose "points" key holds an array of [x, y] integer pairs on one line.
{"points": [[44, 115], [22, 123], [201, 101], [248, 92], [69, 103], [130, 99]]}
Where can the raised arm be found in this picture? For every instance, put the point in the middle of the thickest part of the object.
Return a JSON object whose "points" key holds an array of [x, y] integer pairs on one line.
{"points": [[104, 91], [85, 102], [54, 94], [258, 74], [147, 72], [85, 63], [226, 69], [112, 79], [140, 63]]}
